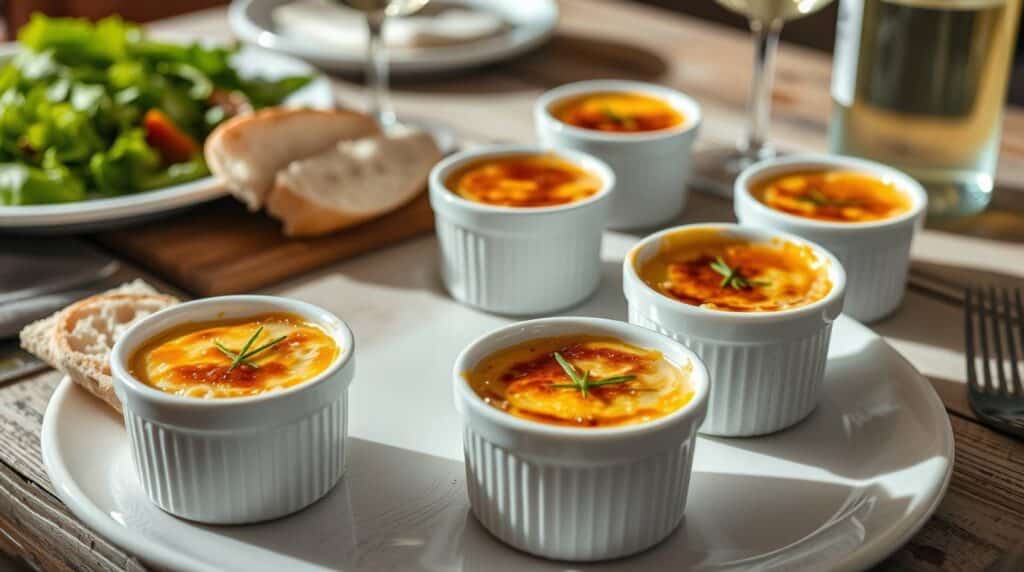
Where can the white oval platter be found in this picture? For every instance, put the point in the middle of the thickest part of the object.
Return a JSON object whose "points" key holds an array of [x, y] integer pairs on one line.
{"points": [[839, 491]]}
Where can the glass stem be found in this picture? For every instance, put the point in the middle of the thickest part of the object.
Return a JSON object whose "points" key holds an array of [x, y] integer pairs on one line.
{"points": [[377, 71], [766, 43]]}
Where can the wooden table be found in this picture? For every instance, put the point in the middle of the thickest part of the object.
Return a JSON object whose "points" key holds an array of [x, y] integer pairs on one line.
{"points": [[983, 513]]}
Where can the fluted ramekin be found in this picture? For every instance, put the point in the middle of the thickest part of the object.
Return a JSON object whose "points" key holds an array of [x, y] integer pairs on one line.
{"points": [[766, 367], [519, 261], [651, 168], [875, 254], [577, 493], [242, 459]]}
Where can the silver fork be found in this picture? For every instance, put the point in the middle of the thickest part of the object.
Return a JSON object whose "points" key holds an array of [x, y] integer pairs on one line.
{"points": [[994, 332]]}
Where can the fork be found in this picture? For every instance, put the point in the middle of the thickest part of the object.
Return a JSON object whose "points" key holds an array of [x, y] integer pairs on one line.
{"points": [[994, 340]]}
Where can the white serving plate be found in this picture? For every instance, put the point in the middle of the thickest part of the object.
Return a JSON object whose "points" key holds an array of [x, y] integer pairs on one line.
{"points": [[839, 491], [531, 23], [96, 214]]}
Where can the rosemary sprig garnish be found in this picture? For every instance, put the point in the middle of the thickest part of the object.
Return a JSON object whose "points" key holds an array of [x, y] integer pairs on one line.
{"points": [[583, 382], [818, 198], [732, 277], [244, 356], [623, 120]]}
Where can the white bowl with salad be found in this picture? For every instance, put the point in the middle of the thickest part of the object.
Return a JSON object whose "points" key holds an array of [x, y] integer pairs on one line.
{"points": [[102, 126]]}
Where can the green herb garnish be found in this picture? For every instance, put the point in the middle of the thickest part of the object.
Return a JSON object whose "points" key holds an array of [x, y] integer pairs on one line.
{"points": [[818, 198], [732, 277], [623, 120], [583, 382], [244, 356]]}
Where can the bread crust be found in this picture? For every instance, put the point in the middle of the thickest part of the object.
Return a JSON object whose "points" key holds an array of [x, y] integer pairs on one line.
{"points": [[50, 338]]}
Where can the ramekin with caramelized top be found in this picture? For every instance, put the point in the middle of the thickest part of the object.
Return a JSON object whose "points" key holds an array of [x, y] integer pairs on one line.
{"points": [[863, 212], [756, 305], [644, 131], [236, 407], [520, 227], [569, 476]]}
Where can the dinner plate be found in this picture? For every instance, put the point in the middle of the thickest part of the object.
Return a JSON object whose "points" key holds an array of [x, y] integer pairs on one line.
{"points": [[96, 214], [529, 24], [839, 491]]}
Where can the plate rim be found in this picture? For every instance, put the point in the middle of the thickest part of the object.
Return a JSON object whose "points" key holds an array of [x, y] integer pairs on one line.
{"points": [[444, 60], [865, 556], [165, 199]]}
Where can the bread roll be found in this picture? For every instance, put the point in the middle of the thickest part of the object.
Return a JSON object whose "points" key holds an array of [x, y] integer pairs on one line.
{"points": [[353, 182], [246, 152]]}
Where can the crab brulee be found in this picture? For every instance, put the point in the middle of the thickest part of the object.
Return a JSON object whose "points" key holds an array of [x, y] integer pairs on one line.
{"points": [[542, 180], [711, 270], [581, 381], [617, 112], [235, 357], [833, 195]]}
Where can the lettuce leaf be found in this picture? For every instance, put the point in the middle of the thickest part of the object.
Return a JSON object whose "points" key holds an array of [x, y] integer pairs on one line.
{"points": [[24, 185], [75, 40]]}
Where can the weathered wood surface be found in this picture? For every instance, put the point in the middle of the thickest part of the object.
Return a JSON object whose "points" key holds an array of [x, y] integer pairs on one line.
{"points": [[225, 249], [983, 513]]}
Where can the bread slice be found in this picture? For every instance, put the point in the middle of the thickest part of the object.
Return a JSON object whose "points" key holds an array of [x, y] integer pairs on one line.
{"points": [[353, 182], [37, 338], [247, 152], [77, 340]]}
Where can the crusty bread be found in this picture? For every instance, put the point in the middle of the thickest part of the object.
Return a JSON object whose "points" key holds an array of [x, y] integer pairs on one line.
{"points": [[37, 337], [247, 152], [352, 182], [77, 340]]}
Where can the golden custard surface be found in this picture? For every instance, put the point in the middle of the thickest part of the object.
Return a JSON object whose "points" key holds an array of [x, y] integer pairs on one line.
{"points": [[518, 380], [833, 195], [779, 275], [186, 361], [617, 112], [524, 181]]}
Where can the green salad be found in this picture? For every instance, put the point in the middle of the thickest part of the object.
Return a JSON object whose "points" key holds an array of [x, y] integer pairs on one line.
{"points": [[93, 110]]}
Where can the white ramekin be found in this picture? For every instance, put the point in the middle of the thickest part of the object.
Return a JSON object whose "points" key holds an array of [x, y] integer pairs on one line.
{"points": [[875, 255], [651, 168], [244, 459], [766, 367], [519, 261], [574, 493]]}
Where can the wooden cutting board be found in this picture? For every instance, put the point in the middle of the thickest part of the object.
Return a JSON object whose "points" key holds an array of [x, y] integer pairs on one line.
{"points": [[221, 248]]}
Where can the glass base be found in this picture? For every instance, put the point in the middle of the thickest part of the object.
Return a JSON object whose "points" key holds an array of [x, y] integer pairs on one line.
{"points": [[955, 193], [716, 168]]}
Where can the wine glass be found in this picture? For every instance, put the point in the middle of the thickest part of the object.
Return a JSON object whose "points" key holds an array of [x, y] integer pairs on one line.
{"points": [[716, 169], [377, 11]]}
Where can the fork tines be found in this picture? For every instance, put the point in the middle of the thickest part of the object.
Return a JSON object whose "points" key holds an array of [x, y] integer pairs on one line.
{"points": [[994, 335]]}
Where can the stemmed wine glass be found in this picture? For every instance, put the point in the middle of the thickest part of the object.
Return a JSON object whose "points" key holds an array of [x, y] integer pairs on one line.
{"points": [[377, 11], [718, 168]]}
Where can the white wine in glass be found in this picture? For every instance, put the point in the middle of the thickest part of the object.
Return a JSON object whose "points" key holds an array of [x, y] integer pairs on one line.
{"points": [[921, 85], [718, 168], [768, 10], [377, 11]]}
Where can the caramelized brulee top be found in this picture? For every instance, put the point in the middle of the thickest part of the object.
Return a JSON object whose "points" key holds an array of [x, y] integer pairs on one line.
{"points": [[835, 196], [202, 359], [582, 381], [524, 181], [716, 272], [617, 112]]}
